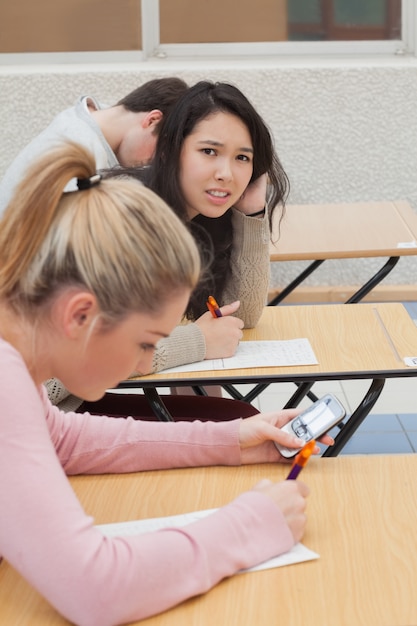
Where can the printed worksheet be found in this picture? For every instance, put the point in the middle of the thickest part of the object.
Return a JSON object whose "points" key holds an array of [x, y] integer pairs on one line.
{"points": [[258, 354], [297, 554]]}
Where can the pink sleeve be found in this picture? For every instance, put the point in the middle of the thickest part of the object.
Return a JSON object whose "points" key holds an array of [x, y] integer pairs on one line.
{"points": [[95, 444], [96, 580]]}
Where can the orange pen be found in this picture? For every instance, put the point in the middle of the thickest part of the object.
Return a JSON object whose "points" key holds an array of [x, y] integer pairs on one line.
{"points": [[301, 459], [213, 307]]}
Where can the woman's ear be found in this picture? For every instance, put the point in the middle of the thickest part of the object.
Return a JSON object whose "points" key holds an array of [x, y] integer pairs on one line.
{"points": [[79, 311]]}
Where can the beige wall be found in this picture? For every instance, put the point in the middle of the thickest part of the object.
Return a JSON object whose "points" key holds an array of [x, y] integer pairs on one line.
{"points": [[92, 25], [219, 21], [69, 26]]}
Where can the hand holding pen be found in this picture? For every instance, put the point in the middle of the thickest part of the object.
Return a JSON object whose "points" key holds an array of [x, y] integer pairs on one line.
{"points": [[221, 331], [294, 502], [290, 496]]}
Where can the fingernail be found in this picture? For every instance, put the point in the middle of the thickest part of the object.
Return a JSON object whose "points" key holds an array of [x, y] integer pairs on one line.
{"points": [[298, 441]]}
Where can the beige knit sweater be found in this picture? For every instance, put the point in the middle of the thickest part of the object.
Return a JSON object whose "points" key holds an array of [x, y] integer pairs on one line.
{"points": [[248, 282]]}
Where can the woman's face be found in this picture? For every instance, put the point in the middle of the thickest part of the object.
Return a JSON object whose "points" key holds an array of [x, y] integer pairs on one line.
{"points": [[216, 165], [113, 355]]}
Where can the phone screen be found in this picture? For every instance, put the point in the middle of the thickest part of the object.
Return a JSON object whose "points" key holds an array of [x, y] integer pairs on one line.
{"points": [[313, 421], [318, 417]]}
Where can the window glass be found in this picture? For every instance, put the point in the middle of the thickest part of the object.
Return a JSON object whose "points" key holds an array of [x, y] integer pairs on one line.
{"points": [[359, 13], [70, 25], [115, 25], [221, 21], [335, 20]]}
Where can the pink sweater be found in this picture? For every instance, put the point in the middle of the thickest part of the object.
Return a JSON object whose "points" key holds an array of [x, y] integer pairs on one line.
{"points": [[45, 534]]}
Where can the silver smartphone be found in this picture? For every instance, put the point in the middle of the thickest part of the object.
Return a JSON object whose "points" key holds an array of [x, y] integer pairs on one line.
{"points": [[320, 417]]}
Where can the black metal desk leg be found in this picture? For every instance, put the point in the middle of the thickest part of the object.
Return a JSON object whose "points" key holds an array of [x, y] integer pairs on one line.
{"points": [[199, 391], [235, 393], [297, 281], [303, 389], [357, 417], [157, 405], [375, 280]]}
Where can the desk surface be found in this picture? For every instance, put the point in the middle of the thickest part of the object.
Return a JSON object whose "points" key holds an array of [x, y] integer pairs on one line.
{"points": [[345, 230], [361, 520], [350, 341]]}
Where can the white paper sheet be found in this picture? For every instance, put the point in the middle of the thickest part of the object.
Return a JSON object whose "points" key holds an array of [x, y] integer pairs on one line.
{"points": [[297, 554], [258, 354]]}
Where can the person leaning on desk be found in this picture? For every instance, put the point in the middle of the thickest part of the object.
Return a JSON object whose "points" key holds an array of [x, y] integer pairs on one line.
{"points": [[211, 165], [108, 270]]}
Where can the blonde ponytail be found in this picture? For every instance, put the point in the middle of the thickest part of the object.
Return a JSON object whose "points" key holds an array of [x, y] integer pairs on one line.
{"points": [[118, 239]]}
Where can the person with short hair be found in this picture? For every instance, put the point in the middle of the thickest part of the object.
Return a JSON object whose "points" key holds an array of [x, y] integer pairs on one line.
{"points": [[122, 134]]}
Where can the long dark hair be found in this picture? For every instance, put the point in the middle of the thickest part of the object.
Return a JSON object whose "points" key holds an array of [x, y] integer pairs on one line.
{"points": [[214, 235]]}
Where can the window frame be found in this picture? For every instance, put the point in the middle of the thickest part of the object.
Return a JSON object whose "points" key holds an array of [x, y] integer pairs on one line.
{"points": [[153, 49]]}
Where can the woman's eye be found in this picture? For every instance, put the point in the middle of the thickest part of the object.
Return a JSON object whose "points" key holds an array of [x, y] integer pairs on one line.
{"points": [[147, 347], [208, 151], [243, 157]]}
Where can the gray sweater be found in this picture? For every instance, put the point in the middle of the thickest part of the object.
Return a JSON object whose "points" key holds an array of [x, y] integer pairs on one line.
{"points": [[76, 124], [248, 282]]}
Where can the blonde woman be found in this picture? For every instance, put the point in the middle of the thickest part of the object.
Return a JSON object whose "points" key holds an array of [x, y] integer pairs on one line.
{"points": [[90, 280]]}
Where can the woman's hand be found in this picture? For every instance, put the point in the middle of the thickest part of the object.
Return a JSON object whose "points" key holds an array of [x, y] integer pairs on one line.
{"points": [[290, 496], [254, 197], [221, 335], [258, 433]]}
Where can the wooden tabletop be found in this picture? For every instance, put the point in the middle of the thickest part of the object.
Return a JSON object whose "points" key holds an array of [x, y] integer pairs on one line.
{"points": [[362, 512], [350, 341], [345, 230]]}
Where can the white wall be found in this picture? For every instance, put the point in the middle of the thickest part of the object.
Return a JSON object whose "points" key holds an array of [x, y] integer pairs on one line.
{"points": [[346, 130]]}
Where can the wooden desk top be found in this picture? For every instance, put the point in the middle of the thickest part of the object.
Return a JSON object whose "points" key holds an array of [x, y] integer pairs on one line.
{"points": [[350, 341], [345, 230], [361, 520]]}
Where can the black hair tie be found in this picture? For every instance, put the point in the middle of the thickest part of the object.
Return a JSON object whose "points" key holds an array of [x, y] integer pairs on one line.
{"points": [[87, 183]]}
